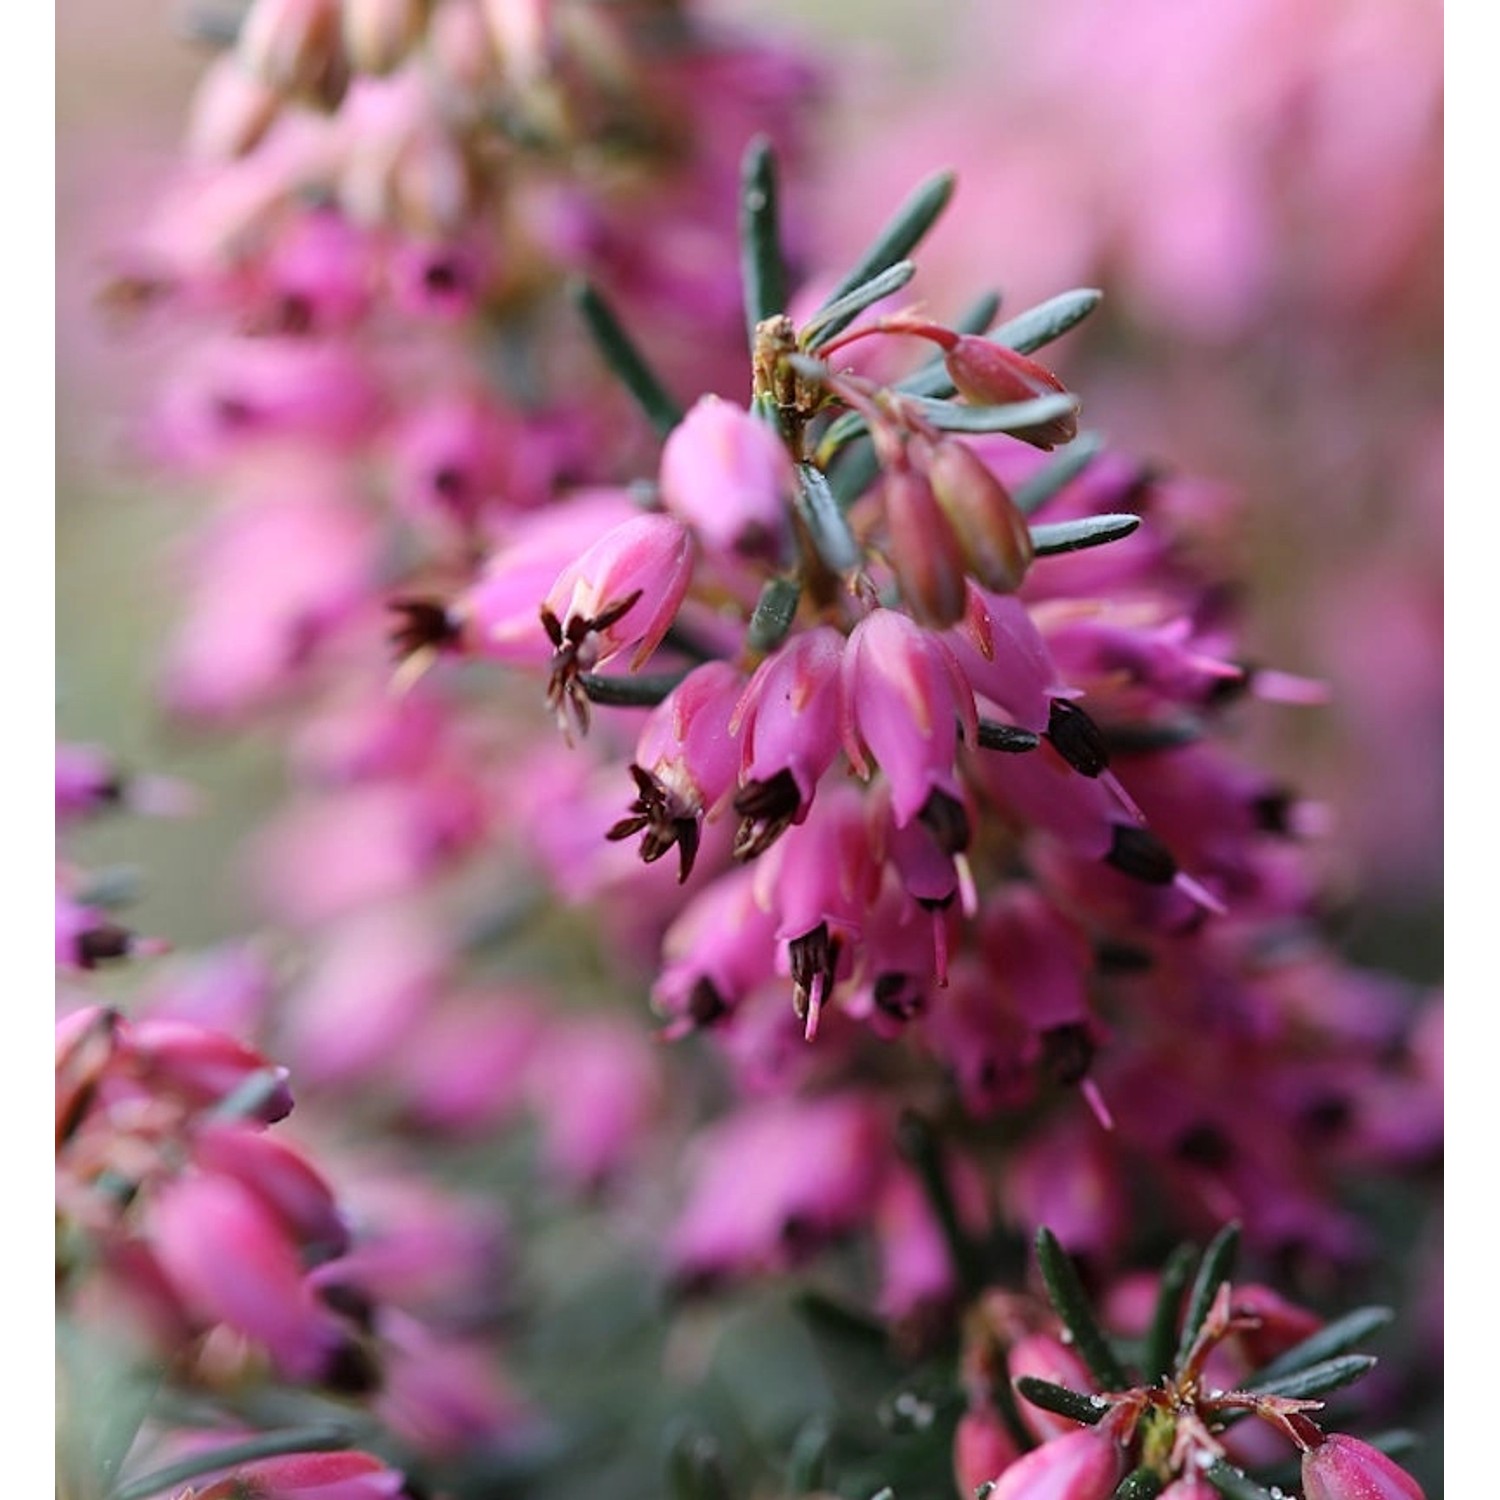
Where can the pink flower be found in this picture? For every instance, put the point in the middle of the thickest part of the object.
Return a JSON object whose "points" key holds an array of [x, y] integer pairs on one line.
{"points": [[623, 591], [310, 1476], [729, 476], [904, 698], [1087, 1464], [1343, 1468], [982, 1448]]}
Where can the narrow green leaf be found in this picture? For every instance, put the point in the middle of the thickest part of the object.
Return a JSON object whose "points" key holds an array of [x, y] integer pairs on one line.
{"points": [[1161, 1340], [1049, 320], [1216, 1268], [1015, 416], [855, 470], [1059, 1399], [1073, 536], [1006, 737], [774, 612], [807, 1465], [824, 517], [1316, 1380], [902, 234], [626, 361], [1338, 1337], [844, 429], [249, 1096], [628, 692], [1233, 1483], [1072, 1304], [1142, 739], [1139, 1484], [919, 1145], [761, 267], [816, 331], [1035, 492], [324, 1438]]}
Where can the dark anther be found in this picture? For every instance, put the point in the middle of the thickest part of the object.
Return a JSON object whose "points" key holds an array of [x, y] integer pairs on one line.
{"points": [[1272, 811], [1077, 738], [424, 625], [451, 484], [945, 819], [349, 1302], [705, 1004], [1228, 689], [1137, 852], [1327, 1117], [766, 809], [352, 1371], [1067, 1052], [899, 996], [1205, 1145], [1122, 958], [659, 813], [814, 955], [1006, 737], [442, 276], [100, 943]]}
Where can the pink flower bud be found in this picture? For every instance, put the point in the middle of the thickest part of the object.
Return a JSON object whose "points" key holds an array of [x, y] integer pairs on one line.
{"points": [[992, 534], [1343, 1468], [310, 1476], [233, 1262], [730, 478], [988, 374], [231, 112], [1087, 1464], [292, 46], [982, 1448], [203, 1066], [923, 549], [378, 34]]}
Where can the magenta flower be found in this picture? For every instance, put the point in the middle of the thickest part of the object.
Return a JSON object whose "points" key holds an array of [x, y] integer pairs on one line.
{"points": [[1086, 1464], [308, 1476]]}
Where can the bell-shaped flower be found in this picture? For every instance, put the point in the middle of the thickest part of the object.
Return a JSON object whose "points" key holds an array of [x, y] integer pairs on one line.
{"points": [[1344, 1468]]}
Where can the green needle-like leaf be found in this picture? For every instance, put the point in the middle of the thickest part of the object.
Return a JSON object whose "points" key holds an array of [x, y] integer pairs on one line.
{"points": [[1216, 1268], [774, 612], [1074, 536], [628, 692], [901, 235], [1234, 1484], [1059, 1399], [1336, 1338], [626, 361], [1139, 1484], [808, 1463], [1039, 325], [1072, 1304], [855, 471], [816, 333], [761, 267], [320, 1439], [1161, 1339], [695, 1470], [1318, 1379], [1036, 491], [824, 517], [1015, 416], [919, 1145]]}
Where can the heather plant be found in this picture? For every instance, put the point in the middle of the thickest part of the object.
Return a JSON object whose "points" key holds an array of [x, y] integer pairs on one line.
{"points": [[766, 847]]}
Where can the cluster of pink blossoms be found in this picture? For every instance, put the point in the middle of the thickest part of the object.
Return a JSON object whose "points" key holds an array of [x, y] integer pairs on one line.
{"points": [[875, 728]]}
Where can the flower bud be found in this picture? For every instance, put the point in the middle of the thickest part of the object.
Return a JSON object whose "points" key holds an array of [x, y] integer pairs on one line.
{"points": [[1087, 1464], [923, 549], [378, 34], [1343, 1468], [310, 1476], [292, 46], [982, 1448], [989, 374], [992, 533], [727, 475]]}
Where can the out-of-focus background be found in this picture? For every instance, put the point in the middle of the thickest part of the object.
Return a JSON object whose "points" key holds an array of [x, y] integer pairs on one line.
{"points": [[1257, 188]]}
